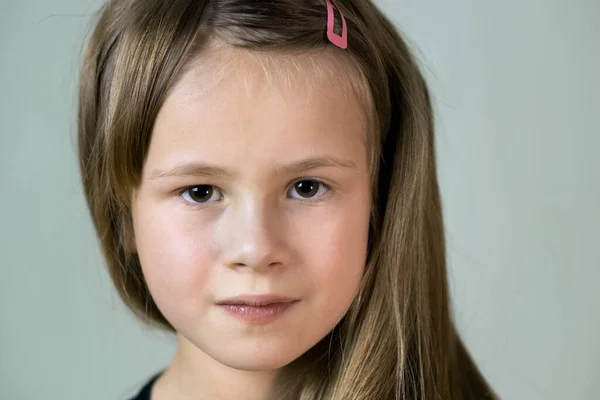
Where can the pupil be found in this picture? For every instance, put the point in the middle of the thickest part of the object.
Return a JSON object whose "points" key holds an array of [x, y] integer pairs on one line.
{"points": [[201, 193], [307, 188]]}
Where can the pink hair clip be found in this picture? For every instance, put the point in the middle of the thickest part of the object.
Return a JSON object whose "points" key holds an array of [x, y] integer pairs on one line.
{"points": [[339, 41]]}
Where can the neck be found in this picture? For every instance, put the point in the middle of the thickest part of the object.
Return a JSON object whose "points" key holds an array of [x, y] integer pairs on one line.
{"points": [[194, 375]]}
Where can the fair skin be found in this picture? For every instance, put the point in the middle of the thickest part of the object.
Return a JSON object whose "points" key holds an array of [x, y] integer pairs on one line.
{"points": [[278, 202]]}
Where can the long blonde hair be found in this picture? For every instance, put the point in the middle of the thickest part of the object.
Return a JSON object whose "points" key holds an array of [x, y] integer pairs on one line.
{"points": [[397, 341]]}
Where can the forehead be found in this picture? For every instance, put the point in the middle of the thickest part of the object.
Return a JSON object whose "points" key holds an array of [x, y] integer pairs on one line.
{"points": [[231, 101], [218, 64]]}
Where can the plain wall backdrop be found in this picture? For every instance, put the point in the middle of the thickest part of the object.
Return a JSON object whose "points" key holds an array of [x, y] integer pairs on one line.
{"points": [[516, 87]]}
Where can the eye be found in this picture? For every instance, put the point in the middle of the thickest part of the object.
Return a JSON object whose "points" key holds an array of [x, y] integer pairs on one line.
{"points": [[201, 194], [310, 189]]}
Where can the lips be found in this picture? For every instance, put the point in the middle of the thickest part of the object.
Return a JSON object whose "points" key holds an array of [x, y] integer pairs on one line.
{"points": [[256, 300], [257, 309]]}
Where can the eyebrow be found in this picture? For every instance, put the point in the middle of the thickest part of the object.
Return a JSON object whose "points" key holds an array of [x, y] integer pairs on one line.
{"points": [[213, 171]]}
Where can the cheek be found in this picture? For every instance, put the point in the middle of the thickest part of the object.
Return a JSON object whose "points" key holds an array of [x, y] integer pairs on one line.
{"points": [[175, 256], [338, 254]]}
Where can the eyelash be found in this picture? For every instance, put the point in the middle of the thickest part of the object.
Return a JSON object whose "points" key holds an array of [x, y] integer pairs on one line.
{"points": [[192, 203]]}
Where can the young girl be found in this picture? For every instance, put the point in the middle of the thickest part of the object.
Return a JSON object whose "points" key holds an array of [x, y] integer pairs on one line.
{"points": [[262, 179]]}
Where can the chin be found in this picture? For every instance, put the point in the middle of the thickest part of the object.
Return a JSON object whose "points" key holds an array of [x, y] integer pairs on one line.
{"points": [[263, 357]]}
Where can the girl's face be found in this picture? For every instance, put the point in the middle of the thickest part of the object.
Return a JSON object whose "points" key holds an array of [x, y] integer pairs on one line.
{"points": [[256, 182]]}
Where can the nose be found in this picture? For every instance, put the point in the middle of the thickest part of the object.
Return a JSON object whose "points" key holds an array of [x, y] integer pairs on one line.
{"points": [[250, 234]]}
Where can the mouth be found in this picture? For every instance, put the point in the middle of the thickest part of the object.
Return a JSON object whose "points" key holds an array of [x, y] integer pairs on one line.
{"points": [[256, 300], [265, 312], [257, 309]]}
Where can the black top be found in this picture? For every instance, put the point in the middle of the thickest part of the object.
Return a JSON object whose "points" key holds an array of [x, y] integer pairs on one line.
{"points": [[145, 392]]}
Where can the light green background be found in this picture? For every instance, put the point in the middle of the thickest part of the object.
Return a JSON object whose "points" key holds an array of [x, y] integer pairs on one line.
{"points": [[516, 88]]}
